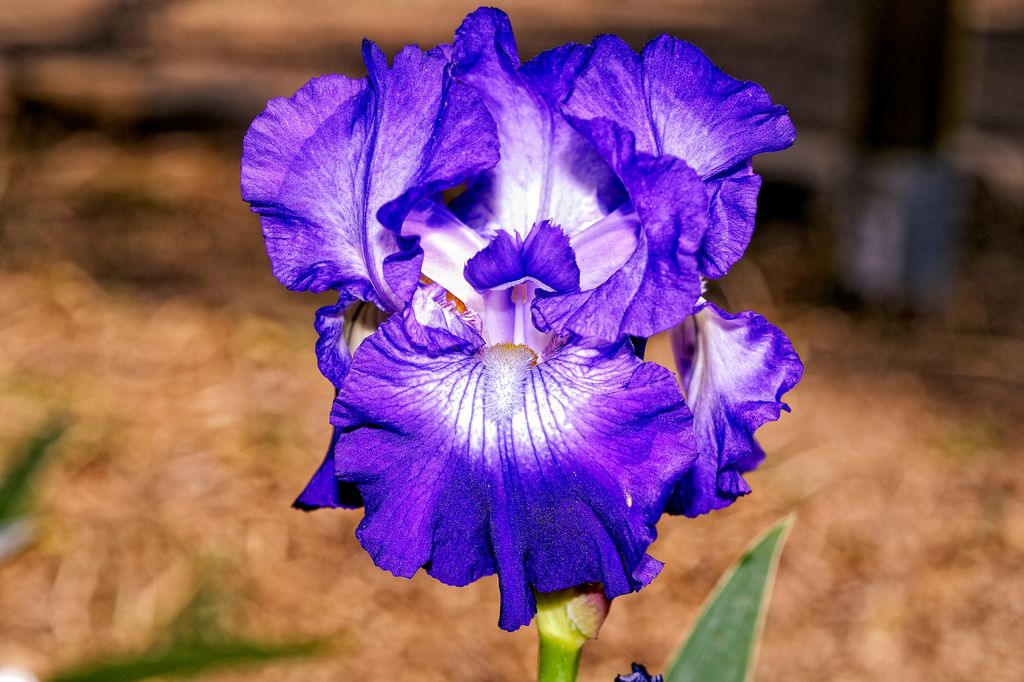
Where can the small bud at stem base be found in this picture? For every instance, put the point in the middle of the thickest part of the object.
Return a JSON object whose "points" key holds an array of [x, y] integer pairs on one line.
{"points": [[565, 621]]}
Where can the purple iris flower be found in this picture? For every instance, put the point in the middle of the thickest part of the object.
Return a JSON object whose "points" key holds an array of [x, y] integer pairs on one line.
{"points": [[639, 674], [494, 417]]}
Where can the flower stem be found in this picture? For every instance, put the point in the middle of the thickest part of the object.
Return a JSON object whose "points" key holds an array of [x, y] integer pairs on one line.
{"points": [[558, 660]]}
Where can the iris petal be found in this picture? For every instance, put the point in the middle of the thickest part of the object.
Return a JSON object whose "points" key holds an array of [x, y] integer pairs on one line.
{"points": [[324, 490], [447, 245], [333, 170], [735, 370], [606, 246], [472, 460], [547, 171], [659, 284], [704, 116], [733, 198], [548, 258], [544, 257], [676, 102], [341, 328]]}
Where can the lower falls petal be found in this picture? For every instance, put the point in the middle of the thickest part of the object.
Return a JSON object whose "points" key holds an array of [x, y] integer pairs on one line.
{"points": [[474, 460]]}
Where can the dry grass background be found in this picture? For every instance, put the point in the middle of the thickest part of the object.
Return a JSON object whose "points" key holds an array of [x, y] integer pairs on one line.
{"points": [[136, 300]]}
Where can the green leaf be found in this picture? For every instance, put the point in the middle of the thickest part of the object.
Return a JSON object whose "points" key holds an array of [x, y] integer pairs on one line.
{"points": [[17, 482], [17, 531], [722, 647], [185, 659]]}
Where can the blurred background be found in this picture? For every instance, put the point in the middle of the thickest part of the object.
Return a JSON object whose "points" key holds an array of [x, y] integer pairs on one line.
{"points": [[136, 303]]}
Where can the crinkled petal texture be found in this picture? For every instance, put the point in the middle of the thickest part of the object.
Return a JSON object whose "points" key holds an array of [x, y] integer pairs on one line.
{"points": [[547, 170], [333, 355], [735, 369], [676, 102], [550, 171], [544, 257], [473, 460], [657, 287], [334, 169]]}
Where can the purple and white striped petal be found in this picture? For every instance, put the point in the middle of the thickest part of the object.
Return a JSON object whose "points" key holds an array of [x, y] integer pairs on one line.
{"points": [[334, 169], [676, 102], [547, 171], [447, 245], [735, 369], [473, 460], [657, 287]]}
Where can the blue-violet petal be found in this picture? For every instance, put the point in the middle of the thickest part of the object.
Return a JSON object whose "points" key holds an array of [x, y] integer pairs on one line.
{"points": [[676, 102], [473, 460], [735, 369], [333, 170]]}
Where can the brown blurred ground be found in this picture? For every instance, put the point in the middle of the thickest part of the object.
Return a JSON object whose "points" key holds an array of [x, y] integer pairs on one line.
{"points": [[136, 298]]}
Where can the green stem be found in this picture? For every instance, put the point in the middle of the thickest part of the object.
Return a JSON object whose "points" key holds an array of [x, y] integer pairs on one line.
{"points": [[558, 661], [558, 658]]}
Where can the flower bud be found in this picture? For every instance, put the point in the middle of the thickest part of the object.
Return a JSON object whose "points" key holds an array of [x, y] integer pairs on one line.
{"points": [[588, 609], [573, 615]]}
